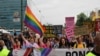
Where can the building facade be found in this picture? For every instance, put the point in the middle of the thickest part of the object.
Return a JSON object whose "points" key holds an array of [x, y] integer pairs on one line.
{"points": [[12, 13]]}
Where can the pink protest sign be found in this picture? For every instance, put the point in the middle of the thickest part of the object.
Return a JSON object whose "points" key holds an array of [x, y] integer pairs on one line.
{"points": [[69, 32], [69, 27], [70, 22]]}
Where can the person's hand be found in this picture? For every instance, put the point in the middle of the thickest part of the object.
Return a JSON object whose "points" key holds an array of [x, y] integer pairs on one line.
{"points": [[91, 38]]}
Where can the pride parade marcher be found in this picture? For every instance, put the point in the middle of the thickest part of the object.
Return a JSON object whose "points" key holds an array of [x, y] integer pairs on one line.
{"points": [[4, 51], [29, 43], [96, 49], [80, 43]]}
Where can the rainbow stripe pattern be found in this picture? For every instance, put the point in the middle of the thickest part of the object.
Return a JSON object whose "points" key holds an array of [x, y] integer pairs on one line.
{"points": [[45, 51], [31, 21]]}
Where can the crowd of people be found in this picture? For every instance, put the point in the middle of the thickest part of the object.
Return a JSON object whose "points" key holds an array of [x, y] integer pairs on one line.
{"points": [[28, 39]]}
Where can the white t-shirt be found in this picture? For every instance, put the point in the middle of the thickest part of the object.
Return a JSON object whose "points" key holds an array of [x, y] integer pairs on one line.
{"points": [[27, 44]]}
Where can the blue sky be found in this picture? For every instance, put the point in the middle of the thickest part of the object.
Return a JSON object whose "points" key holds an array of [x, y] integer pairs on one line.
{"points": [[55, 11]]}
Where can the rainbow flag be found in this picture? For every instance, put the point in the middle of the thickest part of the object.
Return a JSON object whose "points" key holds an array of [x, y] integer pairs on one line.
{"points": [[42, 51], [45, 51], [31, 21]]}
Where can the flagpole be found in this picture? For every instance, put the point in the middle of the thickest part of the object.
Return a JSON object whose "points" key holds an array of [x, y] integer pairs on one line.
{"points": [[21, 15]]}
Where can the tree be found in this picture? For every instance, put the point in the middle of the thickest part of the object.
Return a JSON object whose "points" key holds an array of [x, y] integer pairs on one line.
{"points": [[88, 19], [80, 19]]}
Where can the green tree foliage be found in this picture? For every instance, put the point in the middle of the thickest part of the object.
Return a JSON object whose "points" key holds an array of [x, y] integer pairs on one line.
{"points": [[80, 19], [88, 19]]}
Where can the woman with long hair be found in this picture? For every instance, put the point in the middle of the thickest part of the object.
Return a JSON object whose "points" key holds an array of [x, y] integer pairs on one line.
{"points": [[63, 43]]}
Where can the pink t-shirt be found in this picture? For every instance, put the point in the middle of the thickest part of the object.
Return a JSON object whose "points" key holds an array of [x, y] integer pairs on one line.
{"points": [[29, 45], [42, 45]]}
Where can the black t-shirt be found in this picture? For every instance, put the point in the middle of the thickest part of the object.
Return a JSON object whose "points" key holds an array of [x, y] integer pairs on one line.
{"points": [[72, 44], [97, 54]]}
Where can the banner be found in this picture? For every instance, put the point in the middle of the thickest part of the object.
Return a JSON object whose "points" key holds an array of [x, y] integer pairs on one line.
{"points": [[81, 30], [23, 52], [54, 52], [52, 30], [19, 52], [69, 27], [69, 52]]}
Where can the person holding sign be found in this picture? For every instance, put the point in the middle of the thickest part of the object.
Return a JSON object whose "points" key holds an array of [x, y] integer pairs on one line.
{"points": [[96, 49]]}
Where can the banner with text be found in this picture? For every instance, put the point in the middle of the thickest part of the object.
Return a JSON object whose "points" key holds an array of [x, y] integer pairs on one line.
{"points": [[54, 52], [69, 52]]}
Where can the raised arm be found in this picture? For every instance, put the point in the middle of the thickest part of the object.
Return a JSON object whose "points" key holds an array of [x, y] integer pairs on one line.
{"points": [[12, 39], [91, 38], [23, 37]]}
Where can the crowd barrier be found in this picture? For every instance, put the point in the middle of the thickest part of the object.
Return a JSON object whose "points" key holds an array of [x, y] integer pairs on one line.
{"points": [[51, 52]]}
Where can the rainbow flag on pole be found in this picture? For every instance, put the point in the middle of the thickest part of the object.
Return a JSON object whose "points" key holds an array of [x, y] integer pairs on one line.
{"points": [[31, 21]]}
